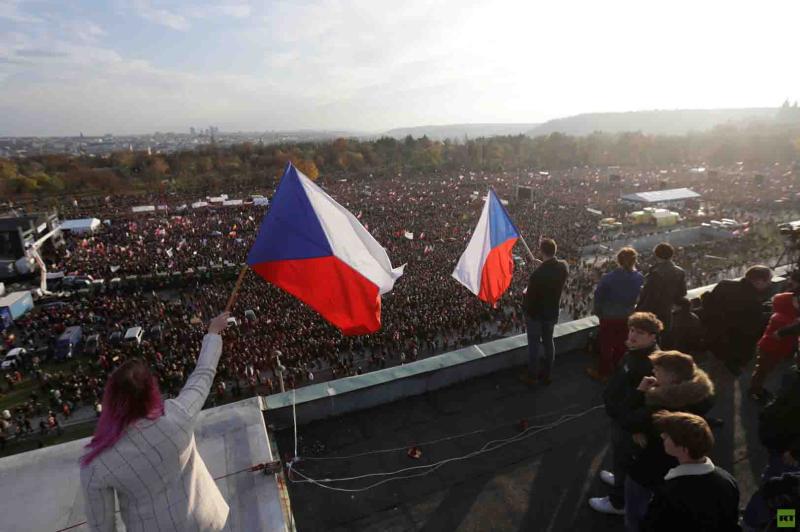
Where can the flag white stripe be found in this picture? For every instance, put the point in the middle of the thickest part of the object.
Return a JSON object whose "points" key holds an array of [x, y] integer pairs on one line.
{"points": [[349, 241], [469, 269]]}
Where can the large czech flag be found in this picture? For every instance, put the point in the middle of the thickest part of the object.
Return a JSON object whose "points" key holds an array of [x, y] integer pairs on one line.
{"points": [[486, 267], [313, 248]]}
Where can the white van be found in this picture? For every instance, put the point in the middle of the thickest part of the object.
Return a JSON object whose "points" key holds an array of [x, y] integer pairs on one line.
{"points": [[133, 335]]}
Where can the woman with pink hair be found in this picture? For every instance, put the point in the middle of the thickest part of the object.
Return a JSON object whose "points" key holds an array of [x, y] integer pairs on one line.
{"points": [[144, 450]]}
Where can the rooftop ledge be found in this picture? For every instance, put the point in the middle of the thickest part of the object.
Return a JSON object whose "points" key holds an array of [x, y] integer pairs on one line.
{"points": [[229, 438]]}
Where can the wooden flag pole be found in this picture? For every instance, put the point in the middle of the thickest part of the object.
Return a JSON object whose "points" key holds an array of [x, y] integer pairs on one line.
{"points": [[235, 293]]}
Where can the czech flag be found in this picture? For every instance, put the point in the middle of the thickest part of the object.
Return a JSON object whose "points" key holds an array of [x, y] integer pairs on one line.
{"points": [[486, 266], [313, 248]]}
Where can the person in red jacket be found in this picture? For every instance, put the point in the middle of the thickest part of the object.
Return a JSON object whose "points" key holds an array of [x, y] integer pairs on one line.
{"points": [[772, 348]]}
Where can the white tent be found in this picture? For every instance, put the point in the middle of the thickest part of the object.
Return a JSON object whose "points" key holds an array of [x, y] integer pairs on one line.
{"points": [[80, 226], [261, 201], [144, 208], [232, 203], [198, 204]]}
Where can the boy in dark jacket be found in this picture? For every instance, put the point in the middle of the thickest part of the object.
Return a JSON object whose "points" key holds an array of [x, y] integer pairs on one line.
{"points": [[779, 431], [677, 384], [696, 494], [643, 330]]}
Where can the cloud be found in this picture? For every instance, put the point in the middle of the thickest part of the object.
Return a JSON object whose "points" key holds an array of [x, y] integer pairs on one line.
{"points": [[235, 10], [39, 53], [372, 64], [160, 16], [83, 30], [10, 10]]}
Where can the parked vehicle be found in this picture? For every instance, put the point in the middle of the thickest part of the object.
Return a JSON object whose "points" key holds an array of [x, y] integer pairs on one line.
{"points": [[13, 358], [134, 335], [155, 334], [68, 343], [115, 337], [76, 282], [16, 304], [92, 344]]}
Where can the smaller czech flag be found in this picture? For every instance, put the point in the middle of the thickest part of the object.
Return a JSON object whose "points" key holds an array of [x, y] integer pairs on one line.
{"points": [[486, 266], [316, 250]]}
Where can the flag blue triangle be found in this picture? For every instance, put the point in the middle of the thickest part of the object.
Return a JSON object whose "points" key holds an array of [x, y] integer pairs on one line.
{"points": [[501, 228], [291, 229]]}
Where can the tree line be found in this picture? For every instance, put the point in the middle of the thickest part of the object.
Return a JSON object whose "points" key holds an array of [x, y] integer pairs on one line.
{"points": [[248, 163]]}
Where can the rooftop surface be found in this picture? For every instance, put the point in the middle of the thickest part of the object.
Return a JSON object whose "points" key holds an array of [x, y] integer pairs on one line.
{"points": [[540, 482], [41, 489]]}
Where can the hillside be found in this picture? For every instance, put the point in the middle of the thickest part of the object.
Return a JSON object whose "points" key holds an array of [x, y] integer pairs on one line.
{"points": [[675, 122], [459, 131]]}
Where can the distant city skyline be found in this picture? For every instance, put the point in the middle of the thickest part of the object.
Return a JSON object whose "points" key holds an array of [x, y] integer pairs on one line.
{"points": [[140, 66]]}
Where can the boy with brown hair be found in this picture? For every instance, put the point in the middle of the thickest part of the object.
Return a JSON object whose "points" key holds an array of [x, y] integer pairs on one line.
{"points": [[696, 495], [643, 331]]}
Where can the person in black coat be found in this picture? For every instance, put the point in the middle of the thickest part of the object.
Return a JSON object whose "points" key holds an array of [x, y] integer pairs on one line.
{"points": [[733, 314], [696, 494], [686, 335], [664, 286], [643, 330], [779, 431], [541, 304], [677, 384]]}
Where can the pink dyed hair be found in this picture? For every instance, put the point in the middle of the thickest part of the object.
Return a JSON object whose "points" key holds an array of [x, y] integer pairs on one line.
{"points": [[131, 393]]}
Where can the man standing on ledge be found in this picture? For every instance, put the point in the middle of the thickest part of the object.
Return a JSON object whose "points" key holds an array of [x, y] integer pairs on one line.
{"points": [[664, 287], [541, 304]]}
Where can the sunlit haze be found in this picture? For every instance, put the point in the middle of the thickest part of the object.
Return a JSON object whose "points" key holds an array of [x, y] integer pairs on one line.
{"points": [[132, 66]]}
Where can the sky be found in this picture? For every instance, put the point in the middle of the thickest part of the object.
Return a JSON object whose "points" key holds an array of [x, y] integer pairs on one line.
{"points": [[139, 66]]}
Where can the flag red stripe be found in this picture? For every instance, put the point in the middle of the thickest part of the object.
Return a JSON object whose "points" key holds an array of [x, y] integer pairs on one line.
{"points": [[339, 293], [497, 272]]}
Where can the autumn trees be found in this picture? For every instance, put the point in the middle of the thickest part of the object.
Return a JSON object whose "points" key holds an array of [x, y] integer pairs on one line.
{"points": [[251, 164]]}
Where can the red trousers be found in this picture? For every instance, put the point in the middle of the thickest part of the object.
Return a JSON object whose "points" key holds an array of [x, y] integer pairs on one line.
{"points": [[612, 336]]}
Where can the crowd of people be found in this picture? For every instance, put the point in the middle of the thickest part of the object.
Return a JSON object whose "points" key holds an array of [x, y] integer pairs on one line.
{"points": [[422, 221], [426, 313], [657, 397]]}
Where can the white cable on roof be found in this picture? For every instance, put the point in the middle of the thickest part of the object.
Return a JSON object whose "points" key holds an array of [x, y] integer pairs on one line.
{"points": [[436, 465], [431, 442]]}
